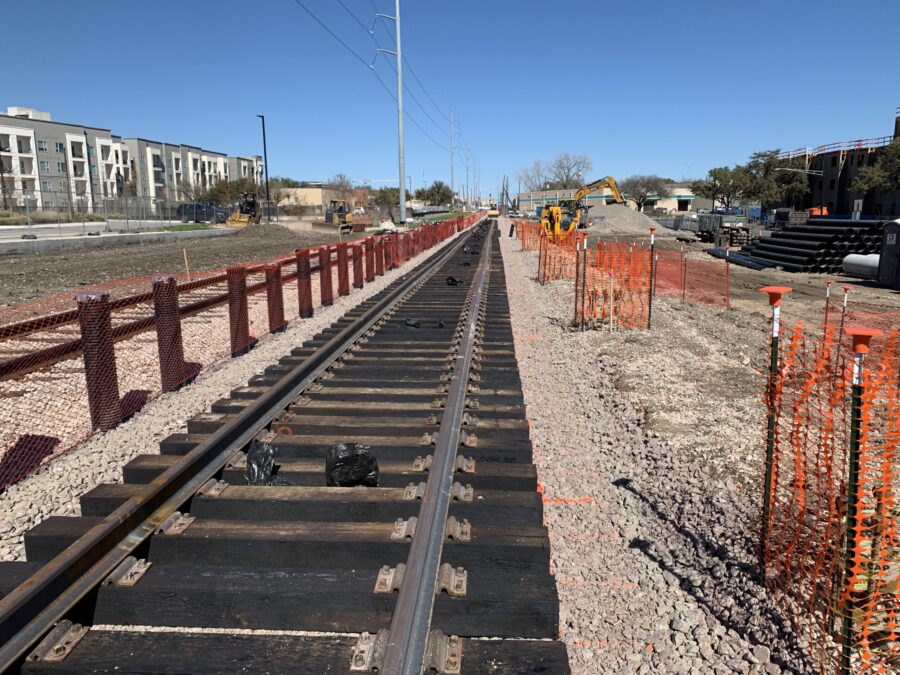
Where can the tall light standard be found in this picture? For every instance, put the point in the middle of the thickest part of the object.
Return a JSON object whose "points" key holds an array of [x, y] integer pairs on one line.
{"points": [[265, 164]]}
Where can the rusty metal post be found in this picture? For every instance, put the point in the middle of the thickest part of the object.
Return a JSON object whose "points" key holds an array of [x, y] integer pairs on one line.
{"points": [[357, 251], [99, 360], [395, 251], [325, 276], [343, 270], [274, 297], [172, 373], [379, 256], [370, 259], [238, 315], [304, 283]]}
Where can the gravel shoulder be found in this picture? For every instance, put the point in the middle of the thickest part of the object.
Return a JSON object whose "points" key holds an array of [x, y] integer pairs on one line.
{"points": [[37, 275], [648, 450], [55, 489]]}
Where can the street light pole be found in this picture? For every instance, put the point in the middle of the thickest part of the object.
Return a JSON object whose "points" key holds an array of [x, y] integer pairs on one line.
{"points": [[265, 165]]}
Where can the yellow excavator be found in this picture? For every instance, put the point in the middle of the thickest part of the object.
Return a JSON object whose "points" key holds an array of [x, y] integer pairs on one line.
{"points": [[568, 215], [248, 211]]}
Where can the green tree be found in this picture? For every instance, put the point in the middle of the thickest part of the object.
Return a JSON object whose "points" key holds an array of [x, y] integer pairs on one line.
{"points": [[283, 182], [883, 176], [386, 197], [769, 183], [724, 185], [644, 189], [436, 194]]}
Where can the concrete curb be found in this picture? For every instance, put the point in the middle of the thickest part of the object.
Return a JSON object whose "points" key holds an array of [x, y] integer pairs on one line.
{"points": [[104, 240]]}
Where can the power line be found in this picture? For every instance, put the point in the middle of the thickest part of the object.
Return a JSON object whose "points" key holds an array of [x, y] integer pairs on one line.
{"points": [[332, 33], [372, 69], [411, 70]]}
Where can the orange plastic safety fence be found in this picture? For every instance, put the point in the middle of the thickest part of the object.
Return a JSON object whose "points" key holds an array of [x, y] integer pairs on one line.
{"points": [[682, 276], [616, 287], [529, 234], [806, 566], [70, 367], [556, 257]]}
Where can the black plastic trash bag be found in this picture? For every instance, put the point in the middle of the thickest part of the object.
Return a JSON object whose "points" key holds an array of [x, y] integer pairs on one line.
{"points": [[350, 465], [453, 281], [261, 464]]}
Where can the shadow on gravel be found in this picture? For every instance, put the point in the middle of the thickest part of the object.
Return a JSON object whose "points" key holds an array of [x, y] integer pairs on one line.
{"points": [[731, 596]]}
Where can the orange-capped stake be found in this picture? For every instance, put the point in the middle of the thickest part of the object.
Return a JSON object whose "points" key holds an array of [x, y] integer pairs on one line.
{"points": [[862, 337], [775, 293]]}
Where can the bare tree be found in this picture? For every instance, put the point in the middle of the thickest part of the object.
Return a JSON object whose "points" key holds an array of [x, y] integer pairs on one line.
{"points": [[644, 189], [535, 177], [191, 192], [4, 185], [341, 184], [569, 171]]}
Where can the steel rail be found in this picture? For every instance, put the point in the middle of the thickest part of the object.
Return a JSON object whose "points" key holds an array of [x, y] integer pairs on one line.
{"points": [[29, 611], [411, 622]]}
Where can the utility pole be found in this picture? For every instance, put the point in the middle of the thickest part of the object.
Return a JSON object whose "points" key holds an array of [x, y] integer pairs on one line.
{"points": [[399, 56], [400, 112], [452, 189], [266, 167]]}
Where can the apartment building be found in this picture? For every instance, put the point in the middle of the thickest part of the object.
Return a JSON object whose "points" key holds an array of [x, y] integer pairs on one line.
{"points": [[48, 164], [833, 167]]}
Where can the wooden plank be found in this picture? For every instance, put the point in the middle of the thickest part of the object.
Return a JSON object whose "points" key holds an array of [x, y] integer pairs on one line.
{"points": [[311, 472], [497, 603], [135, 653], [327, 504]]}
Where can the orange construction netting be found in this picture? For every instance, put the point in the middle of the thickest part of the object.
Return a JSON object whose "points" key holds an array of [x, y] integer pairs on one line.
{"points": [[830, 544], [83, 361]]}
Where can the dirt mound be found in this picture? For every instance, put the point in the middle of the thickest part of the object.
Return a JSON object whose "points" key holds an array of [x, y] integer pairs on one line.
{"points": [[616, 220]]}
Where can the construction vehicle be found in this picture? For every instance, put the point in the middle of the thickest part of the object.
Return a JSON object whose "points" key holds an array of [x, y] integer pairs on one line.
{"points": [[568, 214], [338, 213], [247, 212]]}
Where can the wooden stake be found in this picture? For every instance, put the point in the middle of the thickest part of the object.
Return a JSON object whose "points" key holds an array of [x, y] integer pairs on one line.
{"points": [[187, 269]]}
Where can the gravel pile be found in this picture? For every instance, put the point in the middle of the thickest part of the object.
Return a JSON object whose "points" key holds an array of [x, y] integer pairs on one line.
{"points": [[54, 489], [615, 220], [651, 474]]}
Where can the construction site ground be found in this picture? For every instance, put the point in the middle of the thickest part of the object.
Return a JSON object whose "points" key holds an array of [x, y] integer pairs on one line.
{"points": [[33, 276]]}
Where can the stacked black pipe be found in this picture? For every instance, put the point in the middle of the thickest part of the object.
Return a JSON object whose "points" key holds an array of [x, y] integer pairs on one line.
{"points": [[817, 246]]}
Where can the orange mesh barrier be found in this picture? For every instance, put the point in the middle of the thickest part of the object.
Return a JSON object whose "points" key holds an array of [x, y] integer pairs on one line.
{"points": [[703, 281], [614, 287], [556, 257], [529, 233], [845, 608], [70, 367]]}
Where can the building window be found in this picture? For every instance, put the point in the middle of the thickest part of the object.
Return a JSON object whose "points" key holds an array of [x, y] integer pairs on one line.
{"points": [[44, 166], [42, 146], [61, 167], [45, 185], [831, 184], [834, 160], [60, 147], [820, 185]]}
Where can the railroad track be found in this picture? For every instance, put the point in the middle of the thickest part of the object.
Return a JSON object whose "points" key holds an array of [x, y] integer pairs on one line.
{"points": [[186, 568]]}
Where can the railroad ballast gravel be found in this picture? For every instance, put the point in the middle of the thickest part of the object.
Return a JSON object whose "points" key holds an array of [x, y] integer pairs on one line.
{"points": [[653, 542], [55, 488]]}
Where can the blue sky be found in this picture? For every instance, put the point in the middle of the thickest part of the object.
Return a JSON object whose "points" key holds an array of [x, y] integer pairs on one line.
{"points": [[647, 86]]}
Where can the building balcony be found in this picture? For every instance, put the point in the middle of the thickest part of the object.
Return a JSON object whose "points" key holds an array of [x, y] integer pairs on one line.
{"points": [[24, 147]]}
